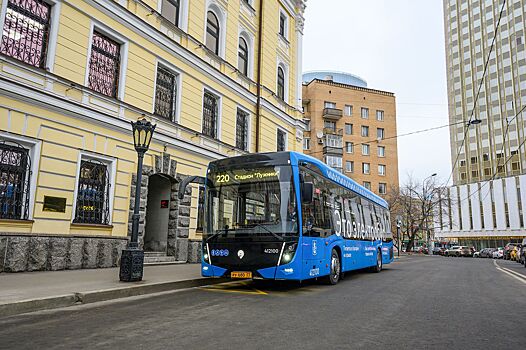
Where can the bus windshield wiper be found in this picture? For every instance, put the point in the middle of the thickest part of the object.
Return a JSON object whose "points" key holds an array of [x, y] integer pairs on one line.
{"points": [[219, 232], [269, 231]]}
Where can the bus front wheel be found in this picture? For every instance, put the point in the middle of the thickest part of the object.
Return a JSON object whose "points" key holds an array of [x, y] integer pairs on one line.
{"points": [[336, 268]]}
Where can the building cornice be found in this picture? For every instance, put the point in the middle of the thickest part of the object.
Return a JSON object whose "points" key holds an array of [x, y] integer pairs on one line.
{"points": [[351, 87]]}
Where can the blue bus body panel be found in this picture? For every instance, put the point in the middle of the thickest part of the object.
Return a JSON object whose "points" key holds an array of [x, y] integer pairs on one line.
{"points": [[312, 257]]}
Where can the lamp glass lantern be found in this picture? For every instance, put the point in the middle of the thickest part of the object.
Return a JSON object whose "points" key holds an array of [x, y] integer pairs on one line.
{"points": [[142, 134]]}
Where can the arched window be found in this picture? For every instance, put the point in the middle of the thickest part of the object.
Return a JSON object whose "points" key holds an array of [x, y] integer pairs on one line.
{"points": [[281, 83], [242, 60], [212, 32]]}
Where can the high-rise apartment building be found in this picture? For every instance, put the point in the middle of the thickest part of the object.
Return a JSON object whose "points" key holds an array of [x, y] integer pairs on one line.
{"points": [[351, 128], [219, 78], [487, 202]]}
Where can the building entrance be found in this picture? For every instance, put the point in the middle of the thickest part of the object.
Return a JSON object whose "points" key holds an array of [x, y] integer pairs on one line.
{"points": [[157, 214]]}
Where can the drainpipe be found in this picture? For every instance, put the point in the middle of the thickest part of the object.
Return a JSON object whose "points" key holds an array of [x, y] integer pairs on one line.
{"points": [[260, 45]]}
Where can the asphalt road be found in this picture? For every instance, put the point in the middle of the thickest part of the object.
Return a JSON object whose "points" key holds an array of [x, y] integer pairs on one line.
{"points": [[415, 303]]}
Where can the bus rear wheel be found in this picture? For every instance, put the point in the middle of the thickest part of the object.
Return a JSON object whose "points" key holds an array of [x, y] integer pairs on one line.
{"points": [[379, 263], [336, 269]]}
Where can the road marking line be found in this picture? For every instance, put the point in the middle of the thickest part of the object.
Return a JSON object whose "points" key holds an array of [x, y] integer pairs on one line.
{"points": [[514, 272], [521, 279]]}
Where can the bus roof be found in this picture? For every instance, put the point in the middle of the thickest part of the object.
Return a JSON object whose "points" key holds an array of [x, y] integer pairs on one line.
{"points": [[281, 158]]}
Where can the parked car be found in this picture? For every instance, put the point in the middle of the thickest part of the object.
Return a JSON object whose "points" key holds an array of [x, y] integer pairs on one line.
{"points": [[508, 249], [438, 250], [476, 254], [458, 251], [498, 253], [522, 255]]}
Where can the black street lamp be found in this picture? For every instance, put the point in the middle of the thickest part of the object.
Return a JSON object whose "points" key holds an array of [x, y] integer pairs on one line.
{"points": [[132, 259]]}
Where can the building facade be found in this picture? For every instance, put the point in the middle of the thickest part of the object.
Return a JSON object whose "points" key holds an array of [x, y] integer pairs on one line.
{"points": [[219, 78], [352, 128], [486, 204]]}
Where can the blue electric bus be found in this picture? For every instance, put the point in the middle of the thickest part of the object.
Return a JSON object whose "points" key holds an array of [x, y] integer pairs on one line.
{"points": [[288, 216]]}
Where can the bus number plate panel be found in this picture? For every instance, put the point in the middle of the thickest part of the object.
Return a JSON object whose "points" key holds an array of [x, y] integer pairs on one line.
{"points": [[240, 274]]}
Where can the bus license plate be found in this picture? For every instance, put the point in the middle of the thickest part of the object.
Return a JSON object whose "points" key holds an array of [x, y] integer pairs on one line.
{"points": [[240, 274]]}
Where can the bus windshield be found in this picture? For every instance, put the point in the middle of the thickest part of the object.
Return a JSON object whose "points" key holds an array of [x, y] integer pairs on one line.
{"points": [[251, 202]]}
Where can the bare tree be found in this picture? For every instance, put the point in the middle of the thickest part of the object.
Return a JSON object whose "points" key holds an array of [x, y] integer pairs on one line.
{"points": [[416, 203]]}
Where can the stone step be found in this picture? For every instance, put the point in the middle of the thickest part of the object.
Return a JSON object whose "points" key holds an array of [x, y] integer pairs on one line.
{"points": [[154, 254], [158, 259]]}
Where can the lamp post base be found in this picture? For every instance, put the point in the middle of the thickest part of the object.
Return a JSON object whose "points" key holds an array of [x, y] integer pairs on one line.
{"points": [[132, 262]]}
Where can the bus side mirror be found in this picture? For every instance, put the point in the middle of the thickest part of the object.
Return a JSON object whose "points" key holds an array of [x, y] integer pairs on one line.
{"points": [[307, 192]]}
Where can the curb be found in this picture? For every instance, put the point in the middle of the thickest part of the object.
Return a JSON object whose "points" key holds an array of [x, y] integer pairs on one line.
{"points": [[80, 298]]}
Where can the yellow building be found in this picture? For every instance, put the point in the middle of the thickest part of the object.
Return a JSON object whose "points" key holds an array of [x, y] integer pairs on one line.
{"points": [[219, 78]]}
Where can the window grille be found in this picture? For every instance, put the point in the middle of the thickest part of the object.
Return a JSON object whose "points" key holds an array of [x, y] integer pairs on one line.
{"points": [[104, 65], [93, 194], [242, 130], [210, 115], [165, 94], [26, 31], [15, 176]]}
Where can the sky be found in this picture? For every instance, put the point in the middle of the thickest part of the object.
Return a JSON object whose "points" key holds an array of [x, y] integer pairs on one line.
{"points": [[396, 46]]}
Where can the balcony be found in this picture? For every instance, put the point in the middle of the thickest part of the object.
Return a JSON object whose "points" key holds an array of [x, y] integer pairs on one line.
{"points": [[332, 113], [332, 151], [331, 131]]}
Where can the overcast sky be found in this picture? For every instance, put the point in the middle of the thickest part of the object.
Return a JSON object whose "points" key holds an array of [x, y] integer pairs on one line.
{"points": [[396, 46]]}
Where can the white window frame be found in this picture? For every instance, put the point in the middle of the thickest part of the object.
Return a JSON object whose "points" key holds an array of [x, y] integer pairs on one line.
{"points": [[179, 87], [365, 127], [349, 169], [111, 164], [379, 188], [221, 14], [348, 110], [380, 113], [35, 148], [285, 68], [183, 13], [364, 166], [53, 30], [383, 153], [366, 149], [219, 109], [362, 114], [347, 148], [286, 137], [249, 39], [249, 129], [287, 21], [383, 171], [123, 63], [306, 143]]}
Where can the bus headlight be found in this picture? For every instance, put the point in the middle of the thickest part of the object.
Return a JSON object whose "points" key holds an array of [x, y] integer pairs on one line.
{"points": [[288, 253], [206, 254]]}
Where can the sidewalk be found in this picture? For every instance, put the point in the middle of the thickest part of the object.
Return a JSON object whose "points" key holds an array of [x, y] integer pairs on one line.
{"points": [[32, 291]]}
